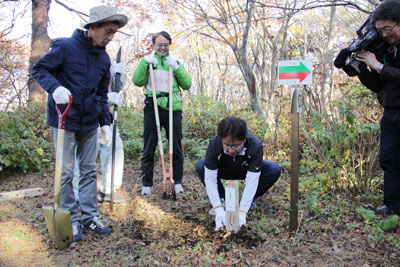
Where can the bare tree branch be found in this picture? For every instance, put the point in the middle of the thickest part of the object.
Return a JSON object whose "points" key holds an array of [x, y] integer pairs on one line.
{"points": [[320, 4]]}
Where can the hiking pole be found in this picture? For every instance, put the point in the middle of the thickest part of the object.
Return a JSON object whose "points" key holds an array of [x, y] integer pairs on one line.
{"points": [[116, 88], [157, 117], [171, 133]]}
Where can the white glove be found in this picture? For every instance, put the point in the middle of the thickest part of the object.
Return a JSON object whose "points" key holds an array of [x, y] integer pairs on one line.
{"points": [[151, 60], [172, 62], [220, 218], [242, 218], [114, 98], [105, 138], [119, 68], [61, 95]]}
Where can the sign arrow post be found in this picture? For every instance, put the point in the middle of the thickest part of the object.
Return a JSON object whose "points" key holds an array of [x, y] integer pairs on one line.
{"points": [[294, 72]]}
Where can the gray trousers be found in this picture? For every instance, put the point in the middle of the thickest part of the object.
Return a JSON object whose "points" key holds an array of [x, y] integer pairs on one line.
{"points": [[106, 165], [85, 145]]}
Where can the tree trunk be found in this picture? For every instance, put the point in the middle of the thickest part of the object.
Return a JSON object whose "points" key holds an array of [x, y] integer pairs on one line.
{"points": [[40, 44], [246, 69], [327, 60]]}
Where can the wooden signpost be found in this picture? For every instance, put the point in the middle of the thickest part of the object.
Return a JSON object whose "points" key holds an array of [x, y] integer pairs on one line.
{"points": [[294, 173], [294, 72], [232, 205]]}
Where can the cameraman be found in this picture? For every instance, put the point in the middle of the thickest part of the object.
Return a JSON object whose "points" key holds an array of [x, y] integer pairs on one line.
{"points": [[383, 77]]}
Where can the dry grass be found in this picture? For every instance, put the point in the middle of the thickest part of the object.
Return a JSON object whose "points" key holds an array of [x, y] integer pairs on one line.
{"points": [[150, 231]]}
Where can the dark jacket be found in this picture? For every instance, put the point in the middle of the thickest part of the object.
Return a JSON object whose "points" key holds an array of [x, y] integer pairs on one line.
{"points": [[387, 83], [234, 168], [84, 70]]}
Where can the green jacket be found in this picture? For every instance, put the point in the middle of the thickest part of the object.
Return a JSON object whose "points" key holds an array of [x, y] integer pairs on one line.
{"points": [[181, 79]]}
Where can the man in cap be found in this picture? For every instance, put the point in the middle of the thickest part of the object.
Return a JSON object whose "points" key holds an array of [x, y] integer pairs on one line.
{"points": [[79, 66]]}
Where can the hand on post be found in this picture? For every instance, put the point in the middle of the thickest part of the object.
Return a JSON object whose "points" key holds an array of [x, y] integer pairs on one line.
{"points": [[151, 60], [220, 218], [105, 138], [61, 95], [242, 218], [172, 62], [114, 98], [119, 68]]}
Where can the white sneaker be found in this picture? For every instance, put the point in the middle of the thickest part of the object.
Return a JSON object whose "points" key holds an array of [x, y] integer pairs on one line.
{"points": [[146, 190], [212, 210], [178, 188]]}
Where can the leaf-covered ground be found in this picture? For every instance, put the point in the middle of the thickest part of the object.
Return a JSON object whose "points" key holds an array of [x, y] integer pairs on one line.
{"points": [[151, 231]]}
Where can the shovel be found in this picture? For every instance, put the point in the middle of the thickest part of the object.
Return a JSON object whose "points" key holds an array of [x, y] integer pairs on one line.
{"points": [[160, 144], [114, 133], [58, 221]]}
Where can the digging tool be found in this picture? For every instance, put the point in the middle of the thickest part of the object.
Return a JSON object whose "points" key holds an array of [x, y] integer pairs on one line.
{"points": [[116, 89], [160, 144], [171, 137], [58, 221]]}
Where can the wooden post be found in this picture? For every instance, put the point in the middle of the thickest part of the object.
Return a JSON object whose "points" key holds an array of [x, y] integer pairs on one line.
{"points": [[294, 172], [232, 205], [32, 192]]}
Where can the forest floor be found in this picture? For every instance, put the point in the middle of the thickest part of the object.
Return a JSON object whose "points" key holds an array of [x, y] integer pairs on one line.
{"points": [[151, 231]]}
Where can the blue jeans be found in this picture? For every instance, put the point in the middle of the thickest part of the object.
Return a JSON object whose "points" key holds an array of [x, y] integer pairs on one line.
{"points": [[270, 172], [83, 146], [106, 165], [390, 157]]}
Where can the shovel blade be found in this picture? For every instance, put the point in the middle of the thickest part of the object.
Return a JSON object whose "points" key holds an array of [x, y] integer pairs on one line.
{"points": [[59, 225]]}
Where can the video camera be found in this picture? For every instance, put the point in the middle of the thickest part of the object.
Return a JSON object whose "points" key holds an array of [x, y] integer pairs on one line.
{"points": [[368, 39]]}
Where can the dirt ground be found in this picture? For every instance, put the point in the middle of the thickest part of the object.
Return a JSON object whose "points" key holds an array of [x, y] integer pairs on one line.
{"points": [[151, 231]]}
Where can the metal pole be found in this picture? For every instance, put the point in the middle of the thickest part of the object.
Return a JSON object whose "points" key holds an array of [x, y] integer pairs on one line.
{"points": [[114, 133]]}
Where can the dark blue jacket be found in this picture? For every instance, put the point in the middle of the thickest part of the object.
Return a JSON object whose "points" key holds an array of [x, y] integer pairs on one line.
{"points": [[84, 70]]}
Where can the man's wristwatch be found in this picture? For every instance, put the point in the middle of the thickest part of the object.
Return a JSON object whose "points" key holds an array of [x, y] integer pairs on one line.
{"points": [[380, 67]]}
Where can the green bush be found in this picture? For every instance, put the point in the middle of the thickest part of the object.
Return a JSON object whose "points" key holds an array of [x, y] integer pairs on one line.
{"points": [[130, 125], [341, 155], [25, 139], [339, 151]]}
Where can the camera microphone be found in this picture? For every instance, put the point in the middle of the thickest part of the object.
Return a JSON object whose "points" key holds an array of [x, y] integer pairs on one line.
{"points": [[340, 60]]}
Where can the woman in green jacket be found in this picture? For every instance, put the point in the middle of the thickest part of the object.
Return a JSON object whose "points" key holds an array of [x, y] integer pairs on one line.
{"points": [[161, 60]]}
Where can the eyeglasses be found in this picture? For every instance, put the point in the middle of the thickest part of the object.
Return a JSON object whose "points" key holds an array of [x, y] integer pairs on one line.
{"points": [[236, 147], [162, 44], [386, 30]]}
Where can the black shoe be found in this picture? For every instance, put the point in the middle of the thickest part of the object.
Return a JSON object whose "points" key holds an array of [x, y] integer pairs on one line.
{"points": [[97, 226], [101, 197], [383, 210]]}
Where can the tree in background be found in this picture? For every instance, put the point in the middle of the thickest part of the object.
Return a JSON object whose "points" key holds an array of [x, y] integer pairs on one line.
{"points": [[13, 60], [40, 44]]}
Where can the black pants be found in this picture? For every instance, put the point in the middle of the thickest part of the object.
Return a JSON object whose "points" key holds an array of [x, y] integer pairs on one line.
{"points": [[270, 172], [390, 157], [150, 142]]}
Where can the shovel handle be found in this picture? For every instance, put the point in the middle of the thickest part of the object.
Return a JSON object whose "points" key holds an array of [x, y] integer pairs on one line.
{"points": [[59, 152], [62, 116]]}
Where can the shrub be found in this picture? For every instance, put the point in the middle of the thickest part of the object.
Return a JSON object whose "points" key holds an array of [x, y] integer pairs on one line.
{"points": [[25, 139], [341, 154]]}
